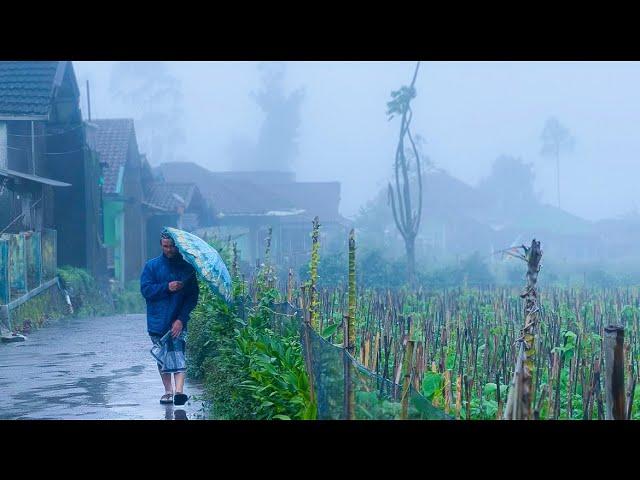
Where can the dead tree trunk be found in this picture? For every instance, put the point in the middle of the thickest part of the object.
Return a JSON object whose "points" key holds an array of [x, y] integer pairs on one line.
{"points": [[407, 219], [520, 392]]}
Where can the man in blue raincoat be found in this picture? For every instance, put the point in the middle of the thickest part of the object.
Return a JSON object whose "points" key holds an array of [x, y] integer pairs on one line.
{"points": [[170, 287]]}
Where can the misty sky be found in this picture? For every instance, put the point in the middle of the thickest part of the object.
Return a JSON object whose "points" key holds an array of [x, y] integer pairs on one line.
{"points": [[468, 112]]}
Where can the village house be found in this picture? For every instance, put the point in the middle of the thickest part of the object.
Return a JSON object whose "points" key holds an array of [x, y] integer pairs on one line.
{"points": [[172, 204], [122, 194], [49, 192], [246, 204]]}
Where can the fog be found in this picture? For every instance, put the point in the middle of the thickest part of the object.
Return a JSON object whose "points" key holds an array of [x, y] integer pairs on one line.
{"points": [[469, 113]]}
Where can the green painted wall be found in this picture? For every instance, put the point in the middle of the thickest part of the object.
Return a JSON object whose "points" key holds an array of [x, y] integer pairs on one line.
{"points": [[111, 210], [114, 234]]}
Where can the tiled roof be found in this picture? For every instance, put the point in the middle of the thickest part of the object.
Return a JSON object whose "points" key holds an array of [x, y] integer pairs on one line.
{"points": [[316, 198], [26, 87], [165, 195], [229, 197], [112, 137]]}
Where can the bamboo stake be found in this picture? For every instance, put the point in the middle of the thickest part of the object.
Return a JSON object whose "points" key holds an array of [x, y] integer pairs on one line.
{"points": [[458, 396], [407, 365], [366, 350], [447, 390], [352, 289], [315, 260], [349, 393], [376, 349]]}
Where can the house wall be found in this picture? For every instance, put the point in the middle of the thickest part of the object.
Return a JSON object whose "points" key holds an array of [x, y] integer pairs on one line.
{"points": [[135, 244], [19, 154], [113, 214], [72, 217]]}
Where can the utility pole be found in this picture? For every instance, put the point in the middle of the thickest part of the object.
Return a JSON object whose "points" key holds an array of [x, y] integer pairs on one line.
{"points": [[88, 101]]}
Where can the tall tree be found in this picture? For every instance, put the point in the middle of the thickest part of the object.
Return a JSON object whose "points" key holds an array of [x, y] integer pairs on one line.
{"points": [[277, 144], [510, 184], [556, 139], [407, 219], [155, 96]]}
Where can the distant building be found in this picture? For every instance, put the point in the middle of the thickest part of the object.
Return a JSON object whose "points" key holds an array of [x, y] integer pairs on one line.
{"points": [[123, 219], [169, 204], [48, 175], [246, 204]]}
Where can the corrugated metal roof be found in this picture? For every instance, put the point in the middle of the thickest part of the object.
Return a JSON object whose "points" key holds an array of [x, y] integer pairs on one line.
{"points": [[34, 178]]}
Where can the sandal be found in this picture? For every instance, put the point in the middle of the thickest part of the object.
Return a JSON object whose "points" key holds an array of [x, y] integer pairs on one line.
{"points": [[180, 399], [167, 398]]}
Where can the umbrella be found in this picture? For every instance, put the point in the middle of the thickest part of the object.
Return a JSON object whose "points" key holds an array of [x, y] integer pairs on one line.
{"points": [[205, 259]]}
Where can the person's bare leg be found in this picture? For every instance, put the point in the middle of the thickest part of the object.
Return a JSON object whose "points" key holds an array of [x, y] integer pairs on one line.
{"points": [[179, 379], [166, 380]]}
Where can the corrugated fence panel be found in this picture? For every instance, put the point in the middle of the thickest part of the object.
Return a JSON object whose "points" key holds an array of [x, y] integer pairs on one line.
{"points": [[17, 266], [49, 254], [34, 259]]}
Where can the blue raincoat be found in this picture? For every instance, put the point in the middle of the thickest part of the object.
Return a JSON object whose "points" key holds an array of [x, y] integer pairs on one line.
{"points": [[164, 306]]}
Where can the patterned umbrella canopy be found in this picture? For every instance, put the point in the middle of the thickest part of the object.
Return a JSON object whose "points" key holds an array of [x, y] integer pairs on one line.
{"points": [[205, 259]]}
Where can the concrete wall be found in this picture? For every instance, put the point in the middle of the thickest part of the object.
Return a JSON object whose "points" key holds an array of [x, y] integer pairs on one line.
{"points": [[47, 302]]}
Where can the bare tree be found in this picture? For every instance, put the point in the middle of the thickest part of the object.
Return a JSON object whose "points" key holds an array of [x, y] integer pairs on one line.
{"points": [[556, 139], [407, 219], [155, 98]]}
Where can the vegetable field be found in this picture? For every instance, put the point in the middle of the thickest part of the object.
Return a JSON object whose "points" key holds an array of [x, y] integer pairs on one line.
{"points": [[466, 345]]}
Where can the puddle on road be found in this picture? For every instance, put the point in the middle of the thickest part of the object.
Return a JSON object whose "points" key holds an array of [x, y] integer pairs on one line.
{"points": [[134, 370], [96, 383], [70, 355]]}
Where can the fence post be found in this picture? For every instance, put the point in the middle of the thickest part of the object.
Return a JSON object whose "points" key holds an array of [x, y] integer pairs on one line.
{"points": [[307, 344], [406, 384], [614, 372], [349, 393]]}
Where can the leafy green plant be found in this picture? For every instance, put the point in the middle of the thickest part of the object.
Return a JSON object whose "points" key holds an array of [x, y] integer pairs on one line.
{"points": [[87, 298], [129, 299]]}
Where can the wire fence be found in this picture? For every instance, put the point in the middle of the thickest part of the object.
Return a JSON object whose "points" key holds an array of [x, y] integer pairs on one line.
{"points": [[343, 388]]}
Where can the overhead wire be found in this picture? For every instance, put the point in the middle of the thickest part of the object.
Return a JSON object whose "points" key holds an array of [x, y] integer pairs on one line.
{"points": [[45, 134], [43, 153]]}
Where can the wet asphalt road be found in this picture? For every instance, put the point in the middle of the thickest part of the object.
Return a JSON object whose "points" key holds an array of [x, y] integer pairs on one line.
{"points": [[87, 369]]}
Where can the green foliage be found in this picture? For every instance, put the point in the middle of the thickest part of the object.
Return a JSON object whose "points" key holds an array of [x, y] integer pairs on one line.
{"points": [[87, 298], [370, 406], [568, 348], [35, 312], [277, 378], [129, 299], [432, 385], [400, 100], [374, 270], [213, 359], [249, 370]]}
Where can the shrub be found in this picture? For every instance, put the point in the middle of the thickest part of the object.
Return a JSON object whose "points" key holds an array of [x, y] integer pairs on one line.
{"points": [[86, 296]]}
